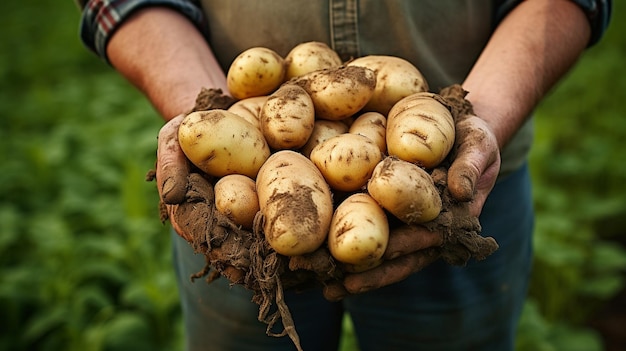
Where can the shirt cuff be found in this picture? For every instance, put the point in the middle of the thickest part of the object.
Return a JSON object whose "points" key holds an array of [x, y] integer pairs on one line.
{"points": [[101, 18], [599, 15]]}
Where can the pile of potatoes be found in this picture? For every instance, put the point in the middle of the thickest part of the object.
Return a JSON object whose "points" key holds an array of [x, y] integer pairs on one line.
{"points": [[326, 150]]}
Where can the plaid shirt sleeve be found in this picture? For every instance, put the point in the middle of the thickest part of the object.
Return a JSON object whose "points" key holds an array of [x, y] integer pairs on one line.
{"points": [[100, 18]]}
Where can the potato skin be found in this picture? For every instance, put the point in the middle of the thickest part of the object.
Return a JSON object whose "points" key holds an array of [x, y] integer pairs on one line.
{"points": [[405, 190], [420, 129], [236, 197], [338, 93], [322, 130], [372, 125], [220, 142], [249, 109], [359, 233], [287, 118], [256, 71], [296, 203], [308, 57], [346, 161], [396, 78]]}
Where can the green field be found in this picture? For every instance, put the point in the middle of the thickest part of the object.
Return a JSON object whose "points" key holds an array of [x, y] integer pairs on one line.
{"points": [[85, 262]]}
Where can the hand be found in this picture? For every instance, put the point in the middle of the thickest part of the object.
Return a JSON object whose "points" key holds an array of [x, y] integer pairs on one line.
{"points": [[476, 164], [410, 249], [188, 203], [454, 236], [172, 172]]}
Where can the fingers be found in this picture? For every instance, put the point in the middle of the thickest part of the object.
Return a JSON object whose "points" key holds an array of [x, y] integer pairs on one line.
{"points": [[410, 249], [407, 239], [389, 272], [473, 173], [172, 165], [173, 210], [334, 291]]}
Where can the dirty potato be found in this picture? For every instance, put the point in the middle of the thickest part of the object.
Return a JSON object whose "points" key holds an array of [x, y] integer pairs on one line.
{"points": [[346, 161], [256, 71], [296, 203], [359, 233], [308, 57], [322, 130], [236, 198], [287, 118], [405, 190], [338, 93], [396, 78], [372, 125], [420, 129], [249, 109], [219, 142]]}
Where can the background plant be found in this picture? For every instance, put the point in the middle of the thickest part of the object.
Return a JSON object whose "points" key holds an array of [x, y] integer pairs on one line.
{"points": [[85, 263]]}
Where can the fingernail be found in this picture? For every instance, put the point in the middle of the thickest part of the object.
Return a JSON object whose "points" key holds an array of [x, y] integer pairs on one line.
{"points": [[168, 185]]}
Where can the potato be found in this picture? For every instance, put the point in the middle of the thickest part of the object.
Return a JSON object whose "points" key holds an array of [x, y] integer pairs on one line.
{"points": [[287, 118], [405, 190], [296, 203], [346, 161], [256, 71], [310, 56], [359, 233], [322, 130], [219, 142], [420, 129], [396, 78], [236, 198], [372, 125], [249, 109], [338, 93]]}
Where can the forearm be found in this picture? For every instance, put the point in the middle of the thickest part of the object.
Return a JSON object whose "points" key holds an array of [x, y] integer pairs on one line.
{"points": [[164, 55], [533, 47]]}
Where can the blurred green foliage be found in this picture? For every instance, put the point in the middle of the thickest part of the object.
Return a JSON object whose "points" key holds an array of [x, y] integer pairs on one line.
{"points": [[85, 263], [580, 198]]}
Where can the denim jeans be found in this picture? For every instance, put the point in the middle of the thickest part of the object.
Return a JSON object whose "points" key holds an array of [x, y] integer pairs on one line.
{"points": [[443, 307]]}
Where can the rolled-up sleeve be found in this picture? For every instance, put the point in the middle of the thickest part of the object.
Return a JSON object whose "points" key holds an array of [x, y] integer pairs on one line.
{"points": [[101, 18]]}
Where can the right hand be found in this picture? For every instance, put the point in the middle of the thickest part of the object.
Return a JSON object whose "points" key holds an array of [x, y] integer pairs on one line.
{"points": [[172, 171]]}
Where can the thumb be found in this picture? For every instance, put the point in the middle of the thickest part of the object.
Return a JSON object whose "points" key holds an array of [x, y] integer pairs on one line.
{"points": [[476, 164], [172, 166]]}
